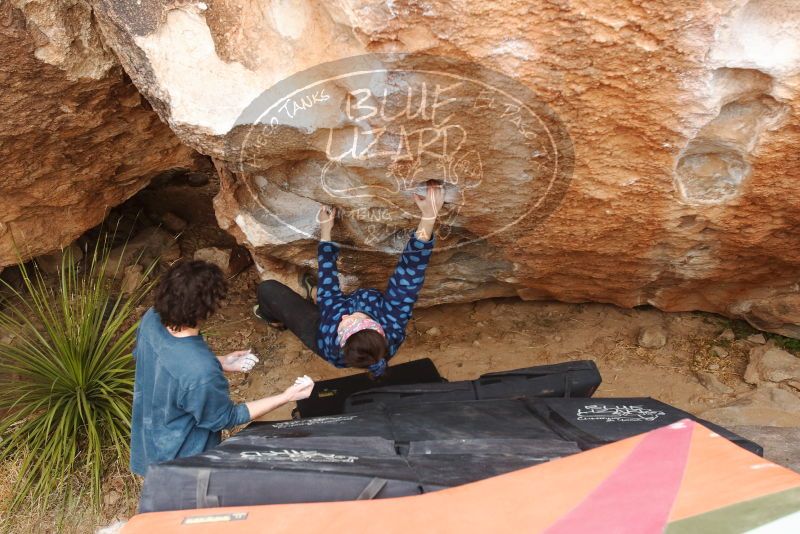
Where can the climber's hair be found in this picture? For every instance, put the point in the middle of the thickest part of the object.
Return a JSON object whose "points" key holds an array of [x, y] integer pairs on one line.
{"points": [[365, 348], [190, 292]]}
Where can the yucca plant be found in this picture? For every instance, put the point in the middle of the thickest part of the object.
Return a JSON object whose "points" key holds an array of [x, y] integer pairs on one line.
{"points": [[66, 378]]}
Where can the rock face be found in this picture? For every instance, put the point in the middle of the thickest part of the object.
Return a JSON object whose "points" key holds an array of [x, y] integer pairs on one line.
{"points": [[76, 138], [592, 151]]}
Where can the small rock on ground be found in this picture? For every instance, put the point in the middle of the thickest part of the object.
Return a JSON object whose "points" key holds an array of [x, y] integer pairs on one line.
{"points": [[231, 261], [51, 263], [132, 279], [719, 352], [713, 384], [111, 498], [768, 363], [173, 223], [218, 256], [652, 337], [433, 332], [727, 335], [147, 246]]}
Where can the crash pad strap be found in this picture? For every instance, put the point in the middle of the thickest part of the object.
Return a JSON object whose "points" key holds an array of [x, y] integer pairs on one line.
{"points": [[372, 489], [204, 500]]}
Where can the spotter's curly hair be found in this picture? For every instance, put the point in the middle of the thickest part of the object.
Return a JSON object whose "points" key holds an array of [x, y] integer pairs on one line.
{"points": [[190, 292]]}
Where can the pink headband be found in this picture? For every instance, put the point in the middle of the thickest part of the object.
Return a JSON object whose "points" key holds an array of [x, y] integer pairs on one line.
{"points": [[357, 326]]}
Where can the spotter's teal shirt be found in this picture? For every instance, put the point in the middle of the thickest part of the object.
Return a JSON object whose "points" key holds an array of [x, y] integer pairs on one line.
{"points": [[180, 396]]}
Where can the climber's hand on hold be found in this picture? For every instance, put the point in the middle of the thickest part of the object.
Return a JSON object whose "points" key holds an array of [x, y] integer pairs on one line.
{"points": [[430, 204], [325, 218]]}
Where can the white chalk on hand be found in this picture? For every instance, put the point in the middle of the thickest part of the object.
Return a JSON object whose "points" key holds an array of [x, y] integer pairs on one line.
{"points": [[303, 380], [248, 361]]}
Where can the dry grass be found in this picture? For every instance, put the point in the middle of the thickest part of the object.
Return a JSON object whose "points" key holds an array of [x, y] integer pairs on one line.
{"points": [[69, 516], [730, 367]]}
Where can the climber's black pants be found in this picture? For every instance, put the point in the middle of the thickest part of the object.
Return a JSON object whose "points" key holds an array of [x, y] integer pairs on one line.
{"points": [[278, 303]]}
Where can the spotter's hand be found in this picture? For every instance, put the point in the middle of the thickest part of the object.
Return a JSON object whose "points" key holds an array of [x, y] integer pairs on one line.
{"points": [[240, 361], [301, 389]]}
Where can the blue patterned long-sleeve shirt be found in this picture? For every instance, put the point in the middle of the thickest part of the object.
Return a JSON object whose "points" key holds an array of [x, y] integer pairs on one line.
{"points": [[391, 309]]}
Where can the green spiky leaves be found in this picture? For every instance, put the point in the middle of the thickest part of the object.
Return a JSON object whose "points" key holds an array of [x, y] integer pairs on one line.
{"points": [[66, 377]]}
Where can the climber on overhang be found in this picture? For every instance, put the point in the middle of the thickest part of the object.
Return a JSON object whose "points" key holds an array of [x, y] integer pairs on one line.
{"points": [[365, 328]]}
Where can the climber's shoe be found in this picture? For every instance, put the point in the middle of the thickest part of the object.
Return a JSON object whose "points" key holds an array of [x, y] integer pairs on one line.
{"points": [[274, 324], [307, 282]]}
